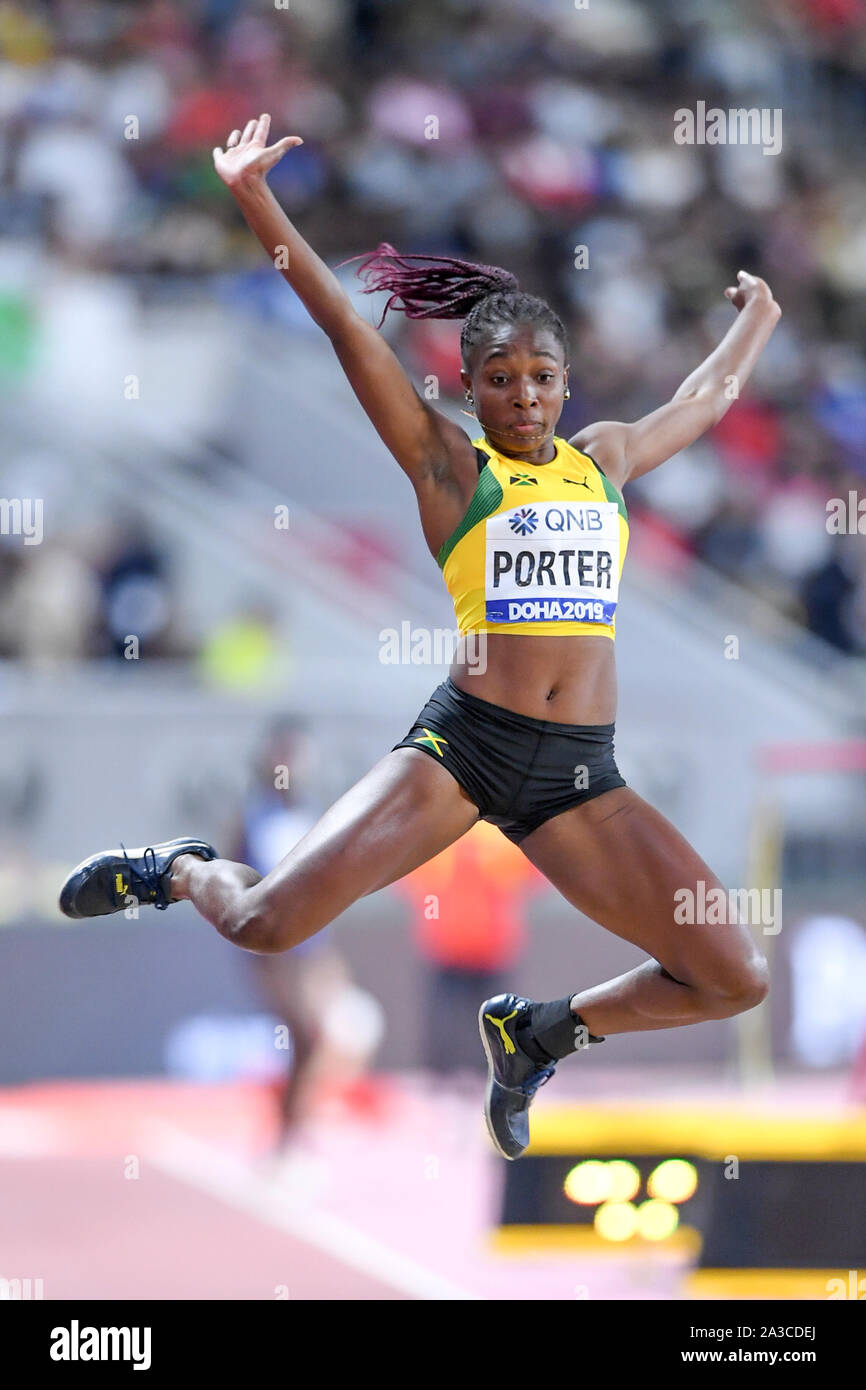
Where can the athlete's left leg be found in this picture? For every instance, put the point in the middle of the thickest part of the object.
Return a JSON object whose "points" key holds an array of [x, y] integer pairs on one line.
{"points": [[620, 862]]}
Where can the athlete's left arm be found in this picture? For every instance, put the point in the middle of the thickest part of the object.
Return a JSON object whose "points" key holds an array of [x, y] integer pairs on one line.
{"points": [[625, 451]]}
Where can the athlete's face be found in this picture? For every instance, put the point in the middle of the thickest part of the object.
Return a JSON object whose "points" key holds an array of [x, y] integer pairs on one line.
{"points": [[518, 378]]}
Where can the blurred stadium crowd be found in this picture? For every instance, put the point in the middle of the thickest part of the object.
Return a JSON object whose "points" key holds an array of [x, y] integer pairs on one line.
{"points": [[553, 130]]}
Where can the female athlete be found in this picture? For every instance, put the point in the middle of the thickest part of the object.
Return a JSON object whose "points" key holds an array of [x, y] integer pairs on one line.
{"points": [[530, 531]]}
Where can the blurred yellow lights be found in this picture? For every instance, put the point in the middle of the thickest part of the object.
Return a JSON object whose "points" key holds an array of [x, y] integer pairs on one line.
{"points": [[593, 1181], [674, 1180], [616, 1220], [653, 1220], [624, 1180], [611, 1187], [657, 1220], [588, 1183]]}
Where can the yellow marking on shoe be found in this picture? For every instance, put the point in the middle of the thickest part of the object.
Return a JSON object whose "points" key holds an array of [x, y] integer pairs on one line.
{"points": [[500, 1024], [119, 884]]}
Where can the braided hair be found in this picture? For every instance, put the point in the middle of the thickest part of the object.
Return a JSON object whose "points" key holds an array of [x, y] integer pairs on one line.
{"points": [[440, 287]]}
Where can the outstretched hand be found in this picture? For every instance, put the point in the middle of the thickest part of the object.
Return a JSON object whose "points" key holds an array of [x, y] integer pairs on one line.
{"points": [[247, 157], [748, 288]]}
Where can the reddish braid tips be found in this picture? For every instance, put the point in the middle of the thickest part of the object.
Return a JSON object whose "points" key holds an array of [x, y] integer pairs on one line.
{"points": [[441, 287], [430, 287]]}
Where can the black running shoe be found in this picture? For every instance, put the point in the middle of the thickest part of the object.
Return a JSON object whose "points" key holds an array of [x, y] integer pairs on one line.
{"points": [[513, 1076], [105, 882]]}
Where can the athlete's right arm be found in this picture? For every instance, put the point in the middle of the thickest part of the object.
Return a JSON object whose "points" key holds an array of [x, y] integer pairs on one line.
{"points": [[435, 453]]}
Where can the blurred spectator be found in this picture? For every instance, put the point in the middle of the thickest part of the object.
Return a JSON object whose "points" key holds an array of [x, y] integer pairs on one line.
{"points": [[516, 131], [333, 1027], [468, 924], [828, 594], [247, 651], [52, 606], [135, 595]]}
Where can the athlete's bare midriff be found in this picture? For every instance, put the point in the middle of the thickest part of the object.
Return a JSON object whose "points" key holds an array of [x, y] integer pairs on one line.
{"points": [[569, 680]]}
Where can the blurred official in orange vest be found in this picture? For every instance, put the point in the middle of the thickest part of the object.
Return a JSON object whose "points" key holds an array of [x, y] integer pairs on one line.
{"points": [[468, 921]]}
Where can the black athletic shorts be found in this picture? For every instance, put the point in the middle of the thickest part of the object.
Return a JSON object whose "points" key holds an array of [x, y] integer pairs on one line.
{"points": [[519, 771]]}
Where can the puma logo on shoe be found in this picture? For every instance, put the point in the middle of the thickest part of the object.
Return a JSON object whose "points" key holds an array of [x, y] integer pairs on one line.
{"points": [[500, 1024]]}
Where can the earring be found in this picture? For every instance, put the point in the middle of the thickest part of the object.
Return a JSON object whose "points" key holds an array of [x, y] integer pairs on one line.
{"points": [[567, 396], [469, 396]]}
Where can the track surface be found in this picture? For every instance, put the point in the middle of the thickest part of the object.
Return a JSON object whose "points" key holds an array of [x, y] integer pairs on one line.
{"points": [[164, 1190]]}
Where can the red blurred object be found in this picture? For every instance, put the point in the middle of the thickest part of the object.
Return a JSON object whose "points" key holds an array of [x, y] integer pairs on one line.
{"points": [[749, 437], [551, 176], [833, 14], [468, 902], [160, 25], [360, 551], [371, 1097], [205, 117], [655, 542], [501, 113], [435, 350]]}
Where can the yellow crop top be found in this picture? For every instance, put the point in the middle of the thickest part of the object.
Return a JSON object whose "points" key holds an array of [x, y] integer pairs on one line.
{"points": [[540, 549]]}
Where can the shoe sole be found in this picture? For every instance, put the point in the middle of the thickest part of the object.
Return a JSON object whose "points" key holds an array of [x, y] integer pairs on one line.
{"points": [[489, 1091]]}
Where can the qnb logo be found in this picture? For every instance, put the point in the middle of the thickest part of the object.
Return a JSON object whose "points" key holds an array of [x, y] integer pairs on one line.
{"points": [[77, 1343], [586, 518], [524, 521]]}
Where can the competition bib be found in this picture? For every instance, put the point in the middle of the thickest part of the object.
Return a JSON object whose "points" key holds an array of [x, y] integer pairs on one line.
{"points": [[552, 562]]}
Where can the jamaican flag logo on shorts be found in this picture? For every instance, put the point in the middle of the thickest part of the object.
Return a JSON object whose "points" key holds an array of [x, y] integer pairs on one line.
{"points": [[431, 740]]}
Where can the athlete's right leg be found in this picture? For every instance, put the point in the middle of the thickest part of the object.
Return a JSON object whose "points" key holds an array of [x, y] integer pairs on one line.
{"points": [[403, 812]]}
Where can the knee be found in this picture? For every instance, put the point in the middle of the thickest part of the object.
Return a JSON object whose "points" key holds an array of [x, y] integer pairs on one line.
{"points": [[746, 987], [262, 928]]}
